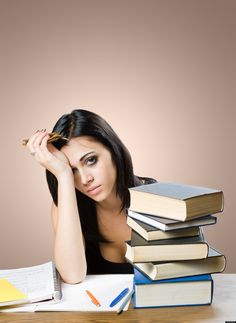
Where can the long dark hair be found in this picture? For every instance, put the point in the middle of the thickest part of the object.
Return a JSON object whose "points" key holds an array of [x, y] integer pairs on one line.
{"points": [[86, 123]]}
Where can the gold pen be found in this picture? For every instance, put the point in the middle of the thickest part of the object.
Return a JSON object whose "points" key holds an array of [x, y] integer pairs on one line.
{"points": [[53, 136]]}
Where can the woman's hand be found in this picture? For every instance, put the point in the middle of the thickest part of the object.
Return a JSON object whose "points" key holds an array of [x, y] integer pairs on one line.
{"points": [[47, 155]]}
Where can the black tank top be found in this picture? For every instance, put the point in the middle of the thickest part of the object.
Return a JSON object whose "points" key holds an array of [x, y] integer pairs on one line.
{"points": [[96, 264]]}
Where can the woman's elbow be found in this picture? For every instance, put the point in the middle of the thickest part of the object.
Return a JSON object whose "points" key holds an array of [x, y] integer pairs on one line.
{"points": [[73, 279]]}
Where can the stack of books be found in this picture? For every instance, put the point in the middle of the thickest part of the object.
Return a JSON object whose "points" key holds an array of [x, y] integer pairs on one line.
{"points": [[172, 260]]}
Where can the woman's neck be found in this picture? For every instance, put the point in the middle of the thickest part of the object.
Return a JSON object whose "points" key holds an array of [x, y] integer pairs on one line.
{"points": [[111, 205]]}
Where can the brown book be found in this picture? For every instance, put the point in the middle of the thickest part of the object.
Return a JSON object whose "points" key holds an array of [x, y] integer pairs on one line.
{"points": [[151, 233], [141, 250], [175, 201]]}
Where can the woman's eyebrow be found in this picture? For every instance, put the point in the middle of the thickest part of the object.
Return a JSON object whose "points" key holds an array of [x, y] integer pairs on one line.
{"points": [[84, 156]]}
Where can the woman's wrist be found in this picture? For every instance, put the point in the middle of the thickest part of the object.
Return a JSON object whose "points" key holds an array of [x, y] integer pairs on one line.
{"points": [[65, 175]]}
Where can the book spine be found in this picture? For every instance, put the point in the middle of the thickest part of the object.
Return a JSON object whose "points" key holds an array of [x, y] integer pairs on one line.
{"points": [[57, 295]]}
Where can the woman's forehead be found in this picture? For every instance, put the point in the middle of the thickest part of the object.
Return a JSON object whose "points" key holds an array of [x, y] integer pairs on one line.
{"points": [[83, 144]]}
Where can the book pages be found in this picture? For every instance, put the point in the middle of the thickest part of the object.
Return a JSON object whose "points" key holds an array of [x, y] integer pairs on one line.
{"points": [[37, 282]]}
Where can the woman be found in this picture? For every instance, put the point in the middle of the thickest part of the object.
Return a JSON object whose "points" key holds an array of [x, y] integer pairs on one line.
{"points": [[89, 171]]}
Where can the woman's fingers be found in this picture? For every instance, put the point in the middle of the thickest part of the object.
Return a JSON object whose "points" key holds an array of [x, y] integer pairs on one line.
{"points": [[35, 141], [40, 146], [30, 142], [38, 142]]}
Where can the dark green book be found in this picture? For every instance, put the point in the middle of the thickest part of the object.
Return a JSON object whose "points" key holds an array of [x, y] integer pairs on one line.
{"points": [[141, 250]]}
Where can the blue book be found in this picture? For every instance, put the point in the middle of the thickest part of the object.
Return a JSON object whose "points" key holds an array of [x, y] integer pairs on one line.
{"points": [[184, 291]]}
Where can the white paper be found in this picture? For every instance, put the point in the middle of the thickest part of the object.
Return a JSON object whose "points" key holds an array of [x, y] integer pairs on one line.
{"points": [[74, 298]]}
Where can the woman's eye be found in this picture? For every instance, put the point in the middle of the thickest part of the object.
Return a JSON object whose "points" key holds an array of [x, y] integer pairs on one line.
{"points": [[91, 160]]}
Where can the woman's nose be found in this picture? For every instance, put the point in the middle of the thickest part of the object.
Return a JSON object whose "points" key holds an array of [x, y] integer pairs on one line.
{"points": [[86, 178]]}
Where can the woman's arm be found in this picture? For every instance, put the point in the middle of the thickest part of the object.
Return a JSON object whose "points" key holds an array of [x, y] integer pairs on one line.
{"points": [[69, 249]]}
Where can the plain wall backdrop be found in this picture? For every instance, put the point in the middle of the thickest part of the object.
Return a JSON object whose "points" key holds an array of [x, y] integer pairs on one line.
{"points": [[161, 72]]}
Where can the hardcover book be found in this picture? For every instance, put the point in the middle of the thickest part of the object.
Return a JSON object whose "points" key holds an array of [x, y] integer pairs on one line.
{"points": [[141, 250], [175, 201], [165, 224], [193, 290], [214, 263], [150, 233]]}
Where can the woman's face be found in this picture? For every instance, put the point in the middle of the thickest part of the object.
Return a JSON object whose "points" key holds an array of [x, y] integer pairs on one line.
{"points": [[93, 168]]}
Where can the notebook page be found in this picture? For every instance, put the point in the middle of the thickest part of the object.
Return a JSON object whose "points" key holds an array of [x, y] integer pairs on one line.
{"points": [[37, 282], [104, 287]]}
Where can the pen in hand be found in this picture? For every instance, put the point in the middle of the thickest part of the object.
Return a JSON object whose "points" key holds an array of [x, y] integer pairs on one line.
{"points": [[119, 297], [93, 298]]}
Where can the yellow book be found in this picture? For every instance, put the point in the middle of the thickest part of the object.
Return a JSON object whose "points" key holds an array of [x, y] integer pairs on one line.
{"points": [[10, 295]]}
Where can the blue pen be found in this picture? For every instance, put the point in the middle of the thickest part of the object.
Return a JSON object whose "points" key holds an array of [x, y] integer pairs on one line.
{"points": [[119, 297]]}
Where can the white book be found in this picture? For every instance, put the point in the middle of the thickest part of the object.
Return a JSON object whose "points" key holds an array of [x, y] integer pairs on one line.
{"points": [[169, 224]]}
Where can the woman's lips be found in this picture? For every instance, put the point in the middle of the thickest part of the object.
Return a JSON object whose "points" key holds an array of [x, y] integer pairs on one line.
{"points": [[94, 190]]}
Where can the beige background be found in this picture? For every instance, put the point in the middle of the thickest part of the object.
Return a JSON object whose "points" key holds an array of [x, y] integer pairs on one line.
{"points": [[162, 73]]}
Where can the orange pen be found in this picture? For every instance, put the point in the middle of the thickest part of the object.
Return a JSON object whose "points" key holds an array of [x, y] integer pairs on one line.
{"points": [[93, 298]]}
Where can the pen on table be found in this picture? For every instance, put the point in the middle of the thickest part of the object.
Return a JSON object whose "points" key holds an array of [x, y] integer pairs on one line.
{"points": [[93, 298], [119, 297], [125, 302]]}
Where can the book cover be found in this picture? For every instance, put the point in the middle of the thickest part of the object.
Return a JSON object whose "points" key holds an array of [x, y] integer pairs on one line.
{"points": [[141, 279], [175, 201], [185, 291], [165, 224]]}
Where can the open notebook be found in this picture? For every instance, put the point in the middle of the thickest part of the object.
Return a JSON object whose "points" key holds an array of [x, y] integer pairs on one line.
{"points": [[38, 283], [74, 298]]}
